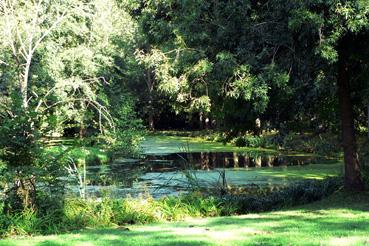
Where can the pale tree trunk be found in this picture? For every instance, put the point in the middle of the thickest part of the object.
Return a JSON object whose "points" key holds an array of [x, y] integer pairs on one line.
{"points": [[150, 85], [24, 83], [151, 121], [201, 120]]}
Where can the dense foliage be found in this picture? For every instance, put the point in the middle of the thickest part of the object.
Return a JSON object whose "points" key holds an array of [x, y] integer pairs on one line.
{"points": [[99, 71]]}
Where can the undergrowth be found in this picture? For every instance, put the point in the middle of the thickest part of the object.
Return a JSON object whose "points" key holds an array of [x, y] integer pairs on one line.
{"points": [[78, 213]]}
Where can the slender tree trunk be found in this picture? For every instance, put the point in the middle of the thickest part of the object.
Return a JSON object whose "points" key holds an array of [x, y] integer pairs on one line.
{"points": [[24, 84], [368, 120], [353, 179], [151, 120], [82, 130], [201, 120], [150, 86]]}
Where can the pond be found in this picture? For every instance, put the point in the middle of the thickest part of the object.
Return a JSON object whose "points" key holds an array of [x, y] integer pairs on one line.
{"points": [[174, 173]]}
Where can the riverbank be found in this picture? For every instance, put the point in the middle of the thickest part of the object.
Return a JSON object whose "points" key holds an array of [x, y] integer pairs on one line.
{"points": [[165, 144], [341, 219]]}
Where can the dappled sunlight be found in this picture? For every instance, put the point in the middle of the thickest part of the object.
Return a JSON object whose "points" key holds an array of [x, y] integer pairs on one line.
{"points": [[346, 241], [330, 226], [177, 122]]}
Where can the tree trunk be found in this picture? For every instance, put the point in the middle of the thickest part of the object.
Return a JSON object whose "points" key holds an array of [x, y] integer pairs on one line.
{"points": [[368, 120], [353, 179], [82, 131], [201, 120], [151, 120], [150, 86], [24, 83]]}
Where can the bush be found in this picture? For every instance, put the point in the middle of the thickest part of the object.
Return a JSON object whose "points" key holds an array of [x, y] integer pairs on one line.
{"points": [[220, 138], [365, 175], [364, 161], [93, 160], [296, 194], [326, 145], [296, 142], [255, 141], [250, 141], [240, 142], [322, 144]]}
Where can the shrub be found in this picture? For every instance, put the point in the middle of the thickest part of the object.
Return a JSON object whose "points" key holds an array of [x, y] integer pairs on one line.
{"points": [[293, 141], [250, 141], [240, 142], [221, 138], [322, 144], [326, 145], [255, 141], [93, 160], [364, 159], [295, 194]]}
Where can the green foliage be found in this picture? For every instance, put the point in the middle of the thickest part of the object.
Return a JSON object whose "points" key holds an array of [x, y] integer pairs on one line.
{"points": [[305, 224], [364, 161], [63, 80], [240, 142], [82, 213], [293, 141], [249, 141], [20, 140], [25, 165], [326, 145], [295, 194], [78, 213], [322, 144], [127, 135], [255, 141]]}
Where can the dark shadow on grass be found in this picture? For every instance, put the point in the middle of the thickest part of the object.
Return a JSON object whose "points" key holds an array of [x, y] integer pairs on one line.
{"points": [[49, 243]]}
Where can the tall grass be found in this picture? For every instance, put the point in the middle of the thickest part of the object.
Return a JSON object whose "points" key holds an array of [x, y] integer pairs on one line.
{"points": [[79, 213]]}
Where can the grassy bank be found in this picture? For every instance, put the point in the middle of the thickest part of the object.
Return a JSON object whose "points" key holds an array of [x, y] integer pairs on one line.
{"points": [[173, 144], [161, 143], [342, 219]]}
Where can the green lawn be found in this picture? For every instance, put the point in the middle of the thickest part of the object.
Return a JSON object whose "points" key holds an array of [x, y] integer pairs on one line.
{"points": [[342, 219]]}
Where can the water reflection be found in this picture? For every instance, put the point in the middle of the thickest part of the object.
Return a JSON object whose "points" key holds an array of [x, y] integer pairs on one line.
{"points": [[161, 175], [212, 160]]}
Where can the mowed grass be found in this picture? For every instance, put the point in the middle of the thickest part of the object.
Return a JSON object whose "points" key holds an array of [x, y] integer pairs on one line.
{"points": [[342, 219]]}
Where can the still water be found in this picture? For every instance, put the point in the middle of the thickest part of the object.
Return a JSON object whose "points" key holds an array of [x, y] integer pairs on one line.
{"points": [[172, 174]]}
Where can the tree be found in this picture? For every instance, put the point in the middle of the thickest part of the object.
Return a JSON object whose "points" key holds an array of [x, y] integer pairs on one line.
{"points": [[282, 60], [345, 38], [198, 70], [56, 67], [25, 26]]}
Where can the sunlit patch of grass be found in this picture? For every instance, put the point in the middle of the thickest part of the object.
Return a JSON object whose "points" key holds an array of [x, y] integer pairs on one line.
{"points": [[341, 219]]}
